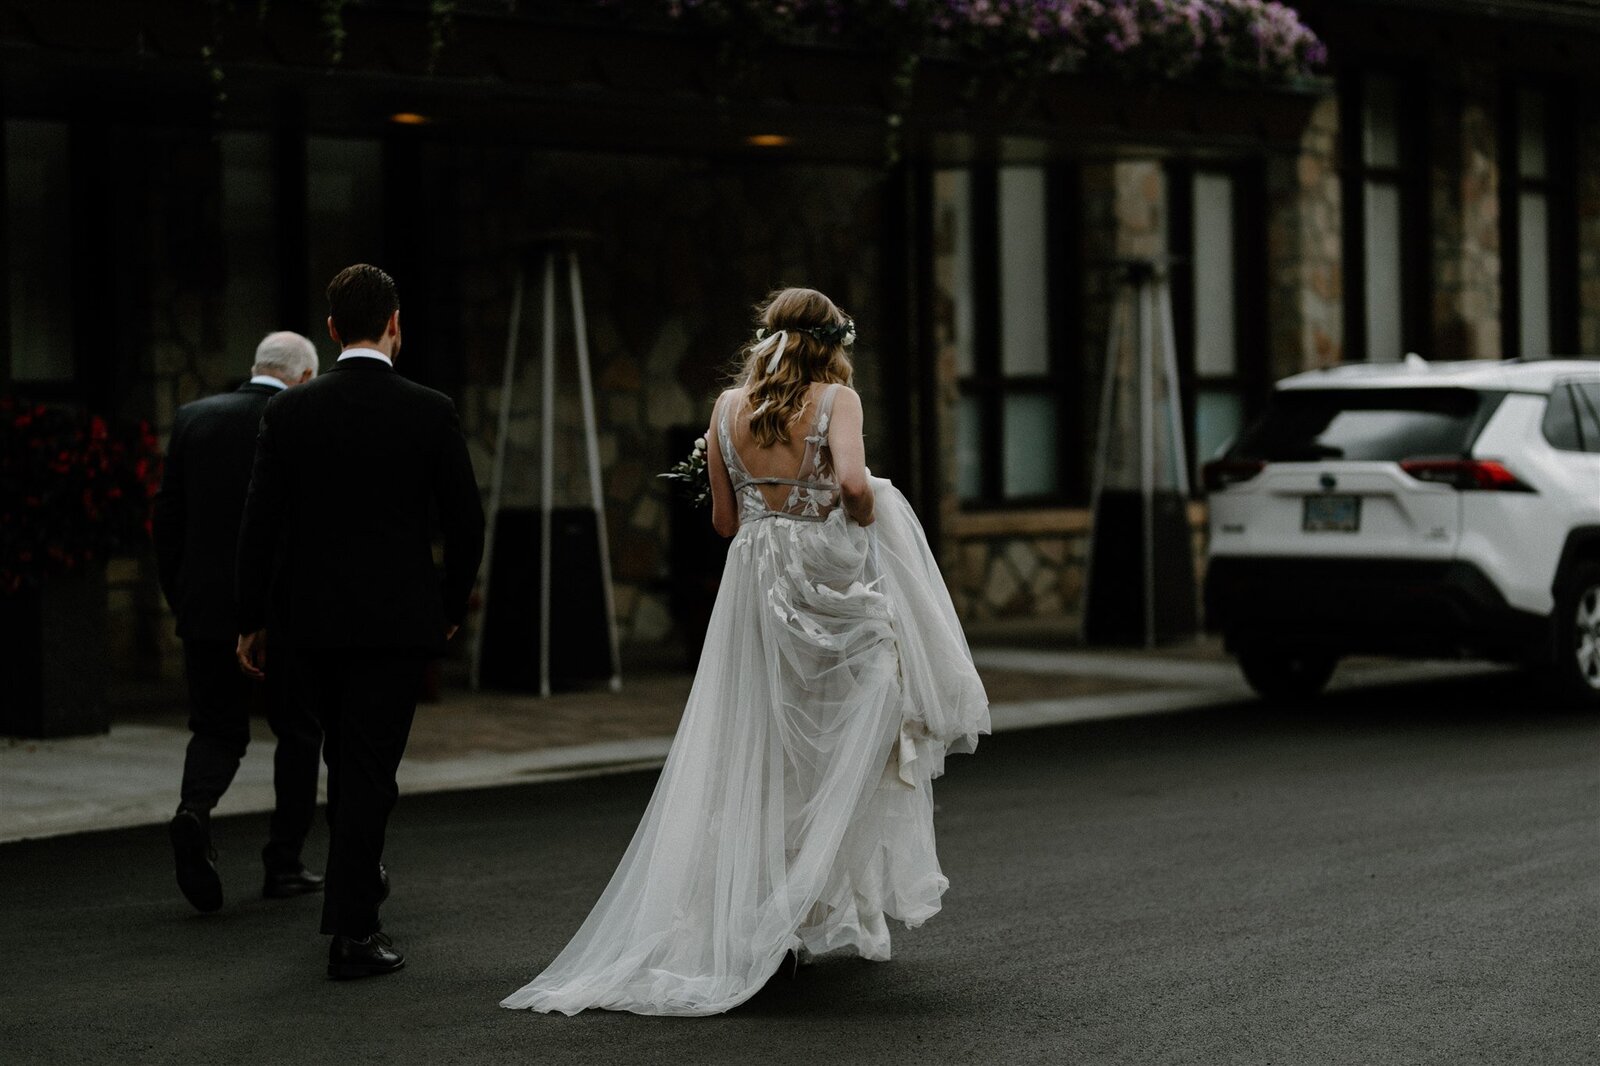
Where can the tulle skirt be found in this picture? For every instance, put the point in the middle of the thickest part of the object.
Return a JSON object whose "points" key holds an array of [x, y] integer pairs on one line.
{"points": [[795, 807]]}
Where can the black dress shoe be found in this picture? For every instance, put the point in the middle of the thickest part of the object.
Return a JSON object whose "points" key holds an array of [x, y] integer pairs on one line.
{"points": [[372, 956], [282, 884], [195, 860]]}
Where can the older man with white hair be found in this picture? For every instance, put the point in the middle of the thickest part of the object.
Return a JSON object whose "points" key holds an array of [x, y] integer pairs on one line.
{"points": [[196, 526]]}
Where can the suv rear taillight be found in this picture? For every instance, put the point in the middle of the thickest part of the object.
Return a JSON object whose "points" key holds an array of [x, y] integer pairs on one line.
{"points": [[1467, 474], [1220, 473]]}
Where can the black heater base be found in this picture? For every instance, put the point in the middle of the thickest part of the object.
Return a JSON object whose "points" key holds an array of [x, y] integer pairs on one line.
{"points": [[1115, 611], [580, 640]]}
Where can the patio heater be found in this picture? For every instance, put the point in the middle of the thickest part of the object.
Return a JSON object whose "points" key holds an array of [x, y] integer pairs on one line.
{"points": [[1140, 582], [574, 559]]}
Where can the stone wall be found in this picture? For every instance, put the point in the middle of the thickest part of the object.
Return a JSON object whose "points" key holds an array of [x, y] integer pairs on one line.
{"points": [[1001, 575], [676, 254]]}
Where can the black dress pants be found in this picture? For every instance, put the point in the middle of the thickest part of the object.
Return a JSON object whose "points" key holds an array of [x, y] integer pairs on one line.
{"points": [[365, 701], [220, 699]]}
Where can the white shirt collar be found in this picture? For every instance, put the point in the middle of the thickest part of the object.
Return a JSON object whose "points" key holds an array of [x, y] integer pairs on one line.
{"points": [[364, 353], [267, 379]]}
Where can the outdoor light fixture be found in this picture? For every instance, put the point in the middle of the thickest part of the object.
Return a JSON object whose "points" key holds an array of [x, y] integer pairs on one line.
{"points": [[768, 140], [408, 118]]}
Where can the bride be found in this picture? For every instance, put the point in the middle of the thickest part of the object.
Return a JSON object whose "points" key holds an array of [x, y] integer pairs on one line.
{"points": [[794, 812]]}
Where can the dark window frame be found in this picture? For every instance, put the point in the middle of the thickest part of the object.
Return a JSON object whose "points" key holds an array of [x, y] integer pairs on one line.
{"points": [[1411, 179], [1252, 376], [987, 383], [1560, 187], [92, 283]]}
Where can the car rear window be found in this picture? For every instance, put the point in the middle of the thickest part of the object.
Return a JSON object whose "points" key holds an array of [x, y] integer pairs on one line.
{"points": [[1305, 425]]}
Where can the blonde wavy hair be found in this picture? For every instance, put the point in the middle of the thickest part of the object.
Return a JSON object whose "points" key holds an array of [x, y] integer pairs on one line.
{"points": [[816, 334]]}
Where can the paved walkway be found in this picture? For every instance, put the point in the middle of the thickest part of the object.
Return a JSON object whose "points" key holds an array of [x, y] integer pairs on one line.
{"points": [[130, 776]]}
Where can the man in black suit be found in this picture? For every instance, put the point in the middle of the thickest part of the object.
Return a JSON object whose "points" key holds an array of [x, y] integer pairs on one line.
{"points": [[352, 472], [196, 526]]}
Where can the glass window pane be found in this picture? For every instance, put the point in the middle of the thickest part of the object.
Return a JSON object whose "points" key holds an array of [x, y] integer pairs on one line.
{"points": [[1587, 397], [1531, 143], [1030, 446], [38, 250], [1215, 346], [1380, 121], [1533, 273], [1218, 416], [249, 234], [1024, 310], [1383, 292], [344, 189], [1561, 426], [1388, 425], [969, 449], [952, 222]]}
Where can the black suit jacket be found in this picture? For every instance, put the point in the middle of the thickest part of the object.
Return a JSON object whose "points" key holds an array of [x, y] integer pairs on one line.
{"points": [[353, 471], [197, 511]]}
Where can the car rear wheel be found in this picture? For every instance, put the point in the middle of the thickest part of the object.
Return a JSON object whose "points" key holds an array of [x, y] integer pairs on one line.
{"points": [[1577, 665], [1283, 674]]}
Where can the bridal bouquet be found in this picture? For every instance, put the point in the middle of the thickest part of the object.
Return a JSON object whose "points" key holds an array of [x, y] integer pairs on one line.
{"points": [[692, 475]]}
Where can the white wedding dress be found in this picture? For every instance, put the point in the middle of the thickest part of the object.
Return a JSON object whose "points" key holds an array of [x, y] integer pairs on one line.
{"points": [[795, 806]]}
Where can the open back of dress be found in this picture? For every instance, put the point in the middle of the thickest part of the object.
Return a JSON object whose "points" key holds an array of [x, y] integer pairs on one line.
{"points": [[795, 805], [810, 494]]}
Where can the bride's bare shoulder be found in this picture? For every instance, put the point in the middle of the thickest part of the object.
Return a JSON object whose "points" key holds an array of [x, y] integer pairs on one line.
{"points": [[846, 397]]}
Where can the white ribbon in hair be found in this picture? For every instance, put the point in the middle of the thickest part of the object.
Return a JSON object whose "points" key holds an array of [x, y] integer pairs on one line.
{"points": [[782, 337]]}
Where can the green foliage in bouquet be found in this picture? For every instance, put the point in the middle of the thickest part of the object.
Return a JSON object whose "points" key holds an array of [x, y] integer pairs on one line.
{"points": [[692, 475]]}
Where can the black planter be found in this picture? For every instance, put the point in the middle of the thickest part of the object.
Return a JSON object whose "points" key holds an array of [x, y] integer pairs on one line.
{"points": [[53, 667]]}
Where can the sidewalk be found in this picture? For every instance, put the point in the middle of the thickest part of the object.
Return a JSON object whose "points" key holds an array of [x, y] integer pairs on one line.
{"points": [[130, 776]]}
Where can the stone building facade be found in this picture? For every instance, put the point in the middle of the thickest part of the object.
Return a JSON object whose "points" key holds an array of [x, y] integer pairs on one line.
{"points": [[698, 187]]}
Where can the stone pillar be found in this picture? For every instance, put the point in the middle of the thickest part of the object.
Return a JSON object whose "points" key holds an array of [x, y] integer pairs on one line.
{"points": [[1124, 216], [1305, 288], [1465, 183], [946, 270]]}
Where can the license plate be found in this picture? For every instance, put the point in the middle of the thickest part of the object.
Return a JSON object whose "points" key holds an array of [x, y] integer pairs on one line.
{"points": [[1331, 514]]}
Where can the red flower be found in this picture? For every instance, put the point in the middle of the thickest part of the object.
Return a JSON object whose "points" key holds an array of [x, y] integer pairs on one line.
{"points": [[72, 490]]}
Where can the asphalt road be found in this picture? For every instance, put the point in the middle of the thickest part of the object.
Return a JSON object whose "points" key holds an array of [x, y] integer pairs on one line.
{"points": [[1408, 875]]}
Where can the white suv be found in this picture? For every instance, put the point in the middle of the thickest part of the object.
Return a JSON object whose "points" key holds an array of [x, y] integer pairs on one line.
{"points": [[1445, 509]]}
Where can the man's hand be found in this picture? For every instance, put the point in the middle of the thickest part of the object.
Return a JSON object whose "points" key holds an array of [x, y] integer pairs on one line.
{"points": [[252, 654], [449, 632]]}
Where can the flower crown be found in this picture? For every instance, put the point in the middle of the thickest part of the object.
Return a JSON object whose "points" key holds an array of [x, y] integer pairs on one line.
{"points": [[842, 333]]}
